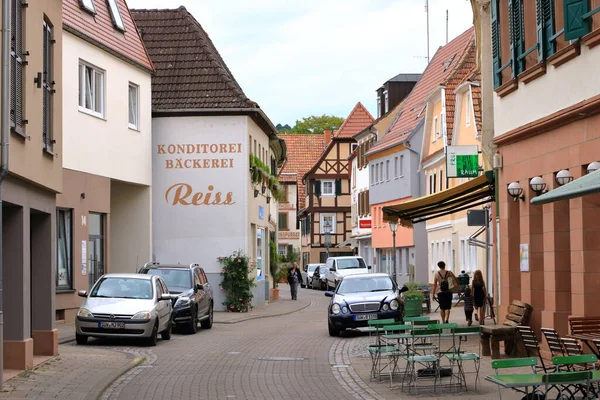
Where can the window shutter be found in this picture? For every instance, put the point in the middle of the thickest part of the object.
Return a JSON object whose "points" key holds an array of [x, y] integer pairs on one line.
{"points": [[17, 66], [367, 204], [515, 13], [318, 188], [575, 25], [338, 187], [545, 28], [496, 43]]}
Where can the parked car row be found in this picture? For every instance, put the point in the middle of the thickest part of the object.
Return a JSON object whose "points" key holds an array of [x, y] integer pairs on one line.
{"points": [[157, 299]]}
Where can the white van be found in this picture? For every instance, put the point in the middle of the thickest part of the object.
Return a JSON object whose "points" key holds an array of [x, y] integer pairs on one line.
{"points": [[339, 267]]}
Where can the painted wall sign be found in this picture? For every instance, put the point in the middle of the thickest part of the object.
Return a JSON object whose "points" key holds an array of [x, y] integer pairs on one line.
{"points": [[289, 235], [364, 223], [261, 212], [287, 207], [199, 188], [462, 161], [524, 257]]}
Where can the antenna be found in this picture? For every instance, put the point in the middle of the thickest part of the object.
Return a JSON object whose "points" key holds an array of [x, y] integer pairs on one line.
{"points": [[427, 11], [446, 26]]}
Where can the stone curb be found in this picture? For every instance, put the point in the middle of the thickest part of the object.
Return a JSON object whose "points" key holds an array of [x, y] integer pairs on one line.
{"points": [[105, 383], [67, 339], [264, 316]]}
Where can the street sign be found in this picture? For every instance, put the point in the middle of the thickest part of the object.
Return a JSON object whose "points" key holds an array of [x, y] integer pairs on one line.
{"points": [[462, 162]]}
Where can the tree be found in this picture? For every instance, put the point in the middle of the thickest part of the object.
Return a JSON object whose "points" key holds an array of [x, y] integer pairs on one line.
{"points": [[283, 128], [317, 124]]}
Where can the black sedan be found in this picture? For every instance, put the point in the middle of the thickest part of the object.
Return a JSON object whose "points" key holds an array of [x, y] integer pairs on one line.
{"points": [[360, 298]]}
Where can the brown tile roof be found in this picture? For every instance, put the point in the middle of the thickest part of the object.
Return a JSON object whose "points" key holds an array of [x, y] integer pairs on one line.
{"points": [[99, 30], [358, 119], [476, 94], [191, 74], [442, 65], [303, 151]]}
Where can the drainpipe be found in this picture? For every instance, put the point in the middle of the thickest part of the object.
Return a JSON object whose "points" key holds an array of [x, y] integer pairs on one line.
{"points": [[4, 132]]}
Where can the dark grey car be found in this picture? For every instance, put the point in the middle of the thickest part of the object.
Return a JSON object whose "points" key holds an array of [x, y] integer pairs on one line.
{"points": [[191, 293]]}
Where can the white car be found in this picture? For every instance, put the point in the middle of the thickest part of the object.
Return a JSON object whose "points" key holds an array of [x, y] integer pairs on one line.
{"points": [[307, 273], [339, 267]]}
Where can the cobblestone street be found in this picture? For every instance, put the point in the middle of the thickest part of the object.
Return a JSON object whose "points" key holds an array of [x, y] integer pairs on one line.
{"points": [[279, 351]]}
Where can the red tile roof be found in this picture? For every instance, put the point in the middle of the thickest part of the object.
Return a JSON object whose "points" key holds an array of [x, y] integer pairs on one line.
{"points": [[303, 151], [476, 94], [99, 30], [190, 74], [358, 120], [442, 65]]}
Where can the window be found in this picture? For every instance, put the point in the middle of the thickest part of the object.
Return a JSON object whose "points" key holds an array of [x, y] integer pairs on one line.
{"points": [[283, 220], [91, 90], [432, 257], [430, 183], [373, 179], [64, 265], [434, 182], [395, 167], [282, 250], [48, 88], [376, 169], [284, 190], [401, 165], [115, 15], [353, 147], [327, 220], [87, 5], [17, 70], [378, 106], [328, 188], [386, 106], [435, 126], [381, 172], [468, 110], [255, 148], [441, 179], [387, 170], [134, 109], [463, 255]]}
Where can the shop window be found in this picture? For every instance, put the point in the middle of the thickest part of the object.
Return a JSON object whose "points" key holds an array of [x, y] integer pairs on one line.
{"points": [[64, 265]]}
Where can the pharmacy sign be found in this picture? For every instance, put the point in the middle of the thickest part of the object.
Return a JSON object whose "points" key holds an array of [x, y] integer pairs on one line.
{"points": [[462, 161]]}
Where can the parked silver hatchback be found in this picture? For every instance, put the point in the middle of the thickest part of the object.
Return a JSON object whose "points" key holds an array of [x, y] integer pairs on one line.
{"points": [[125, 305]]}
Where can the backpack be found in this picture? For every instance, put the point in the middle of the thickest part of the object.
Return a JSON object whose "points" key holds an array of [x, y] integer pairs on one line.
{"points": [[451, 281]]}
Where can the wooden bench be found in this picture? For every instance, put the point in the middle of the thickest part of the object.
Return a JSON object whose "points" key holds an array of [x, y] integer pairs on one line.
{"points": [[519, 313], [584, 325]]}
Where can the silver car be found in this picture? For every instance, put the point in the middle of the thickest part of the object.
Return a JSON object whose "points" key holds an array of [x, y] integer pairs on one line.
{"points": [[125, 305], [307, 273]]}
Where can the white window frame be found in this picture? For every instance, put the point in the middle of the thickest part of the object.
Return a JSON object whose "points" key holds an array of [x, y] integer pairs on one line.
{"points": [[115, 15], [322, 218], [396, 173], [432, 243], [441, 174], [373, 176], [136, 107], [323, 184], [401, 165], [378, 106], [97, 73], [435, 125], [282, 249], [468, 109], [387, 170], [353, 147], [386, 101], [87, 5]]}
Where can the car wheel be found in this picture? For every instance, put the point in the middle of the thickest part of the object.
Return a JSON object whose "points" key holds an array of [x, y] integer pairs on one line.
{"points": [[208, 322], [323, 286], [193, 326], [333, 331], [151, 341], [166, 334], [81, 339]]}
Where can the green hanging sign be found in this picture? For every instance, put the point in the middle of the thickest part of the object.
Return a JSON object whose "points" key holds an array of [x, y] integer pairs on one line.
{"points": [[462, 162]]}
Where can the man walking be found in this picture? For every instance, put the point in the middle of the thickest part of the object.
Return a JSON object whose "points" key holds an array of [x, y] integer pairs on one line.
{"points": [[294, 278]]}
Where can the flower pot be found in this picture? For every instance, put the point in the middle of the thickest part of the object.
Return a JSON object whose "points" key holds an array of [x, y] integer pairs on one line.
{"points": [[275, 293], [413, 307]]}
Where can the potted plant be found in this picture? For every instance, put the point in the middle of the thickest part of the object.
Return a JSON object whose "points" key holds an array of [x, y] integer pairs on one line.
{"points": [[413, 302], [274, 268]]}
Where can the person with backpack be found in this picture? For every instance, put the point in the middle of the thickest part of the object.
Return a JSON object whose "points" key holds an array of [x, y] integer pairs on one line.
{"points": [[444, 276]]}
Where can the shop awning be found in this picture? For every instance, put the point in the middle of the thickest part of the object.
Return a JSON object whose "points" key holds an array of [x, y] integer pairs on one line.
{"points": [[348, 243], [587, 184], [477, 191]]}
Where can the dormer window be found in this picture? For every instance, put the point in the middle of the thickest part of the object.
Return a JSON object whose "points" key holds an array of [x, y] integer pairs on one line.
{"points": [[115, 15], [87, 5]]}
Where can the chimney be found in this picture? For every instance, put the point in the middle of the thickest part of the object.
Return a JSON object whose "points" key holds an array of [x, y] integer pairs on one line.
{"points": [[327, 134]]}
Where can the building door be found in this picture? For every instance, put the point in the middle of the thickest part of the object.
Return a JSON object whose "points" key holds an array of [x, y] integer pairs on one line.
{"points": [[259, 252], [95, 247]]}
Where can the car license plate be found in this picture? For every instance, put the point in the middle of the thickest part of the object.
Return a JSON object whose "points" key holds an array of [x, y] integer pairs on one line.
{"points": [[111, 325], [365, 317]]}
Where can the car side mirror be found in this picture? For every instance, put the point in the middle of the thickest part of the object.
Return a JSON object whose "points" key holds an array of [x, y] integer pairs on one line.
{"points": [[329, 294], [369, 267], [165, 296], [199, 287], [332, 269], [82, 293]]}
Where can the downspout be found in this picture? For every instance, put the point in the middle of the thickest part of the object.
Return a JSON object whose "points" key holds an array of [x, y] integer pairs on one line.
{"points": [[4, 132]]}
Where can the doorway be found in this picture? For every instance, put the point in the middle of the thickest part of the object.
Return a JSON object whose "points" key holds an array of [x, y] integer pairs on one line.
{"points": [[95, 247]]}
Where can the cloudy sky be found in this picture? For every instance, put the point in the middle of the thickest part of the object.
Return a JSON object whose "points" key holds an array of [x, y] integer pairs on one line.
{"points": [[311, 57]]}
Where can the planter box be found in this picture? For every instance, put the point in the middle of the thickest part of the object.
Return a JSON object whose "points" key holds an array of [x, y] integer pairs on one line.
{"points": [[274, 294], [413, 308]]}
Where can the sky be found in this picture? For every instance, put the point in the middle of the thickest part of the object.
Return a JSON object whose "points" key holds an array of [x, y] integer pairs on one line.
{"points": [[298, 58]]}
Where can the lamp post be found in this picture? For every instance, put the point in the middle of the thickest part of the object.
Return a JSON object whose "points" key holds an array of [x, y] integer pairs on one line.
{"points": [[327, 230], [393, 228]]}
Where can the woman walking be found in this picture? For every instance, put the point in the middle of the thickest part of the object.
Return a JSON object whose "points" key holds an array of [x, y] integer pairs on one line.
{"points": [[479, 294], [294, 278]]}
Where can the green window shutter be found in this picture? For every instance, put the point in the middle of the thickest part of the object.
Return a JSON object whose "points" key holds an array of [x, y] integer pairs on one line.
{"points": [[575, 25], [338, 187], [318, 188], [496, 43], [515, 15], [545, 28]]}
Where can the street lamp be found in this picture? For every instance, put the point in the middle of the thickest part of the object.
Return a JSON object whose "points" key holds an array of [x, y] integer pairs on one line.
{"points": [[327, 230], [393, 228]]}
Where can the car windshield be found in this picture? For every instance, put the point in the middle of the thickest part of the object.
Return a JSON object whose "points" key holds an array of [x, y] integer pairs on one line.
{"points": [[367, 284], [177, 280], [350, 263], [123, 288], [311, 268]]}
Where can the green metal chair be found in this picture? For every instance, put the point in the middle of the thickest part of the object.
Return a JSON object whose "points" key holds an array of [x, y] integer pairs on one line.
{"points": [[575, 363], [458, 357], [531, 362], [412, 319], [428, 362], [375, 325], [563, 380]]}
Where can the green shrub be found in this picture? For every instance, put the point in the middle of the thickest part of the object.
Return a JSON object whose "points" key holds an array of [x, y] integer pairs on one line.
{"points": [[414, 295], [415, 285]]}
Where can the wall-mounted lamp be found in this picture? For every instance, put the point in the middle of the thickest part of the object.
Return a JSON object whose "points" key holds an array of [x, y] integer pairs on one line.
{"points": [[255, 192], [593, 167], [563, 177], [538, 185], [516, 191], [264, 188], [268, 199], [82, 196]]}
